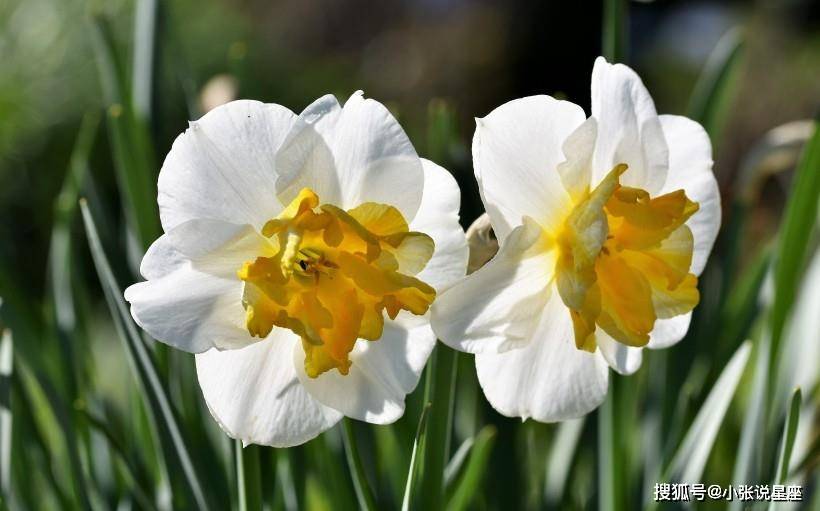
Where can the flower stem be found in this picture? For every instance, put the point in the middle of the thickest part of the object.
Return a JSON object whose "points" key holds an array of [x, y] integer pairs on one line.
{"points": [[247, 476], [615, 29], [609, 458], [354, 462], [439, 391]]}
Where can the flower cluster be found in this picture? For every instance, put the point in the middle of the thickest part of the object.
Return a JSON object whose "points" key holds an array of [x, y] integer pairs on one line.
{"points": [[310, 261]]}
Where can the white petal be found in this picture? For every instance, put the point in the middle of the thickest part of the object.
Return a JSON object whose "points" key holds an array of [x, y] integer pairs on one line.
{"points": [[223, 167], [624, 359], [668, 332], [629, 130], [548, 379], [690, 169], [373, 158], [161, 258], [305, 158], [578, 149], [193, 299], [438, 218], [382, 373], [190, 310], [499, 306], [255, 396], [216, 247], [516, 152]]}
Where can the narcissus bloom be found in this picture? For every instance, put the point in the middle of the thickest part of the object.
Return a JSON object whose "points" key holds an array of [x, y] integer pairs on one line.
{"points": [[604, 224], [300, 257]]}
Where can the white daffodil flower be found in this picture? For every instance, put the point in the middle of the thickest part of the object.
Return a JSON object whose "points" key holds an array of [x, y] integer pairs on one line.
{"points": [[287, 239], [604, 224]]}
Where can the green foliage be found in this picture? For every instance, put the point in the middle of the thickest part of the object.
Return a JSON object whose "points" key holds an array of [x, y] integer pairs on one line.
{"points": [[143, 365], [72, 436], [714, 91], [799, 222]]}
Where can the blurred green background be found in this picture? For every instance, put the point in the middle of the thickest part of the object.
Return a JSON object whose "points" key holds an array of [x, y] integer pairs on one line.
{"points": [[92, 94]]}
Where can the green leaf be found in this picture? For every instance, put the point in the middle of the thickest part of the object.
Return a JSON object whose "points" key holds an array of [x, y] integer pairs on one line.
{"points": [[248, 479], [412, 471], [713, 92], [800, 219], [615, 30], [787, 442], [142, 364], [469, 485], [6, 370], [354, 463], [690, 459]]}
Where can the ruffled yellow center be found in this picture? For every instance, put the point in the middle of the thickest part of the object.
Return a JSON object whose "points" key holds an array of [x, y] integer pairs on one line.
{"points": [[330, 275], [623, 261]]}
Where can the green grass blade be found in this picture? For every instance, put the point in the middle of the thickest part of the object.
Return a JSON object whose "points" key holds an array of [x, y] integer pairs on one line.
{"points": [[145, 370], [64, 282], [145, 32], [409, 500], [391, 453], [65, 209], [284, 479], [560, 458], [468, 486], [441, 130], [713, 92], [787, 442], [131, 145], [137, 476], [36, 417], [439, 391], [248, 479], [456, 463], [800, 219], [742, 303], [810, 459], [747, 462], [333, 479], [55, 415], [690, 459], [6, 369], [354, 463]]}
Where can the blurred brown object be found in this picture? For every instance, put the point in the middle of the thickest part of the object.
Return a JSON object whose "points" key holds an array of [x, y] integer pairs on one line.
{"points": [[220, 89], [777, 152], [482, 241]]}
